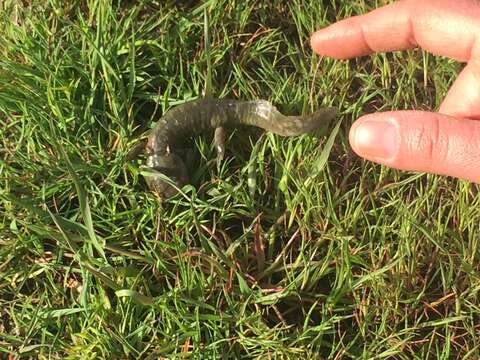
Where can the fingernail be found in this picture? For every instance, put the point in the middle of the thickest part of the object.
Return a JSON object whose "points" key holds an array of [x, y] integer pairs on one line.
{"points": [[375, 139]]}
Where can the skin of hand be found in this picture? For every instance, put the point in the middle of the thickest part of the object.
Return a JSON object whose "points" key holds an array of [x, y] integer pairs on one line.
{"points": [[447, 142]]}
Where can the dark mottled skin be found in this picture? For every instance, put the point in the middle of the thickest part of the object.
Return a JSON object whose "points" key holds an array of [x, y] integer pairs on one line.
{"points": [[206, 115]]}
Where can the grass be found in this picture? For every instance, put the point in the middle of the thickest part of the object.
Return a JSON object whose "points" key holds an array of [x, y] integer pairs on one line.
{"points": [[327, 259]]}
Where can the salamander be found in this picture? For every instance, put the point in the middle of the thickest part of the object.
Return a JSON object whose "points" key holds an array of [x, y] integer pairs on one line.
{"points": [[211, 115]]}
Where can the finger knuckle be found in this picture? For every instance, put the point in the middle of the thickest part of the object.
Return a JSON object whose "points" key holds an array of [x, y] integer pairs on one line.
{"points": [[430, 140]]}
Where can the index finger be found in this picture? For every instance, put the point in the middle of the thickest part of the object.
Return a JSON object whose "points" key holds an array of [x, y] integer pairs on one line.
{"points": [[443, 27]]}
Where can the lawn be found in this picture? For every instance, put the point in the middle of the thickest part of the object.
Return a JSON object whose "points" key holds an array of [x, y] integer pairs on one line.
{"points": [[329, 257]]}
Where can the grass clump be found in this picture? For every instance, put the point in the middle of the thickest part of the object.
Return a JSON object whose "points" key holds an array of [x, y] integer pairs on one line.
{"points": [[329, 259]]}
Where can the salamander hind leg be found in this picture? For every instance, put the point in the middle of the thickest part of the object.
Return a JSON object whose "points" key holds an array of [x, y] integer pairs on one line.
{"points": [[170, 165]]}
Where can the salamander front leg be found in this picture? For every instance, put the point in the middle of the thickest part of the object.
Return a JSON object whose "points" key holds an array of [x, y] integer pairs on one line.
{"points": [[219, 141]]}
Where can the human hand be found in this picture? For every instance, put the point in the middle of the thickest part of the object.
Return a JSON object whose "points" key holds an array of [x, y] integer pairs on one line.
{"points": [[447, 142]]}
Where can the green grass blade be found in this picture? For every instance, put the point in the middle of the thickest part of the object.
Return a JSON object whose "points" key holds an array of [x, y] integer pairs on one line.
{"points": [[84, 206]]}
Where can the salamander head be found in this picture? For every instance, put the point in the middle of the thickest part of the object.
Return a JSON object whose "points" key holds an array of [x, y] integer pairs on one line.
{"points": [[170, 165]]}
